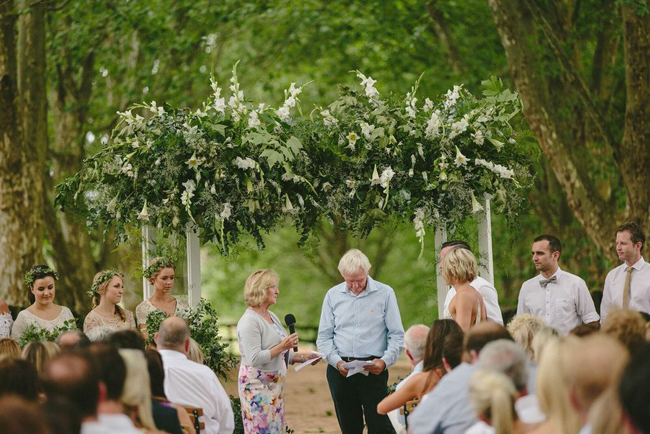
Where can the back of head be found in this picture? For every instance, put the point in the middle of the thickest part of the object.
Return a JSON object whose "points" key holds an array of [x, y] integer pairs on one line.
{"points": [[552, 390], [127, 339], [38, 354], [543, 337], [523, 329], [628, 326], [172, 334], [156, 373], [415, 340], [482, 334], [595, 363], [19, 377], [111, 369], [459, 266], [73, 376], [493, 396], [195, 354], [9, 348], [137, 388], [452, 348], [101, 333], [61, 415], [18, 416], [72, 339], [440, 328], [508, 358], [634, 389]]}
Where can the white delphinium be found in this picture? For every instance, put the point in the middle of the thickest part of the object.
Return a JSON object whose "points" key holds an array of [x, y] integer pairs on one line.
{"points": [[500, 170], [428, 105], [459, 127], [328, 119], [188, 193], [460, 160], [290, 101], [155, 109], [411, 109], [254, 120], [369, 85], [386, 176], [433, 125], [452, 97], [366, 130], [245, 163], [478, 137], [219, 103]]}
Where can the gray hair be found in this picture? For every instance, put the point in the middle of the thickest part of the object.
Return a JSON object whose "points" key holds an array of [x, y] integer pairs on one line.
{"points": [[173, 333], [352, 261], [508, 358], [415, 340], [100, 334]]}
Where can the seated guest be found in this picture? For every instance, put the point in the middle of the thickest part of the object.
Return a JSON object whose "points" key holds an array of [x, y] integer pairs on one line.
{"points": [[9, 348], [61, 415], [195, 354], [493, 398], [19, 377], [595, 364], [415, 343], [523, 329], [583, 330], [111, 371], [38, 354], [18, 416], [43, 313], [447, 408], [189, 383], [72, 339], [100, 334], [165, 414], [6, 321], [459, 269], [106, 291], [136, 395], [432, 371], [452, 350], [126, 339], [634, 390], [628, 326], [543, 337]]}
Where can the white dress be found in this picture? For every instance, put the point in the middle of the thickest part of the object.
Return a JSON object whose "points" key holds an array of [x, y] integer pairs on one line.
{"points": [[146, 307], [6, 322], [25, 318]]}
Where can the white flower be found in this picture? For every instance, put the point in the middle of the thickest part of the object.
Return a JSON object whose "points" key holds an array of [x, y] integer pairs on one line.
{"points": [[288, 207], [245, 163], [328, 119], [193, 162], [433, 126], [442, 176], [461, 160], [227, 210], [478, 137], [428, 105], [219, 103], [425, 176], [369, 84], [411, 110], [213, 189], [392, 140], [326, 186], [135, 144], [367, 130], [375, 176], [294, 91], [452, 97], [459, 127], [386, 176], [253, 120], [352, 139], [144, 214], [418, 223], [283, 113], [476, 207]]}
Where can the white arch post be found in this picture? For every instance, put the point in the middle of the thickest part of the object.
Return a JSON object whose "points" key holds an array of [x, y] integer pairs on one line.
{"points": [[486, 260]]}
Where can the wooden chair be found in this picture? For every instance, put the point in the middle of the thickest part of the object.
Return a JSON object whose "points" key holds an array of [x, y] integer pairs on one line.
{"points": [[408, 409], [195, 413]]}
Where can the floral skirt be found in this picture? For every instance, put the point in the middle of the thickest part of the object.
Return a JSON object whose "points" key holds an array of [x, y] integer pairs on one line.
{"points": [[262, 403]]}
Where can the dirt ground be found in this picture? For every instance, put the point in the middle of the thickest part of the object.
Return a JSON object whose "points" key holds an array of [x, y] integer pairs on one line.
{"points": [[308, 401]]}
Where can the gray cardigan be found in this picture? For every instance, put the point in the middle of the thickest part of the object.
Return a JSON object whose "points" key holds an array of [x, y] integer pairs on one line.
{"points": [[256, 337]]}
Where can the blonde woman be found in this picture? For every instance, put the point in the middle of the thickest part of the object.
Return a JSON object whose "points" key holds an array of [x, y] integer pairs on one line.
{"points": [[39, 354], [9, 349], [106, 291], [493, 397], [523, 329], [43, 313], [136, 395], [459, 269], [161, 273], [265, 352]]}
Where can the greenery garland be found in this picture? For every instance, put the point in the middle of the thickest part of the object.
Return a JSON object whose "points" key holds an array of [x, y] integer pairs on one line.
{"points": [[103, 277], [34, 333], [158, 264], [30, 276], [234, 167]]}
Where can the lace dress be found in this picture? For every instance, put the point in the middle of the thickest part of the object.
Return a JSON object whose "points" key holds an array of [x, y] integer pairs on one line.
{"points": [[146, 307], [25, 318], [6, 322], [93, 319]]}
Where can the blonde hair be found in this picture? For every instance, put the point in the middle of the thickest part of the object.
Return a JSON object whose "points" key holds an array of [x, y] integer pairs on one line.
{"points": [[137, 388], [195, 354], [523, 329], [628, 326], [101, 290], [493, 395], [9, 348], [606, 414], [154, 270], [552, 389], [540, 340], [39, 354], [257, 284], [352, 261], [459, 266]]}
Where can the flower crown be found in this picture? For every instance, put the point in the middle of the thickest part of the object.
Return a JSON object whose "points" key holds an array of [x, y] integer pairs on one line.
{"points": [[157, 265], [30, 276], [104, 276]]}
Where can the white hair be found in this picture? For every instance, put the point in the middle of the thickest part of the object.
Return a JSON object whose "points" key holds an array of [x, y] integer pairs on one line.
{"points": [[353, 261], [508, 358], [415, 340], [100, 334]]}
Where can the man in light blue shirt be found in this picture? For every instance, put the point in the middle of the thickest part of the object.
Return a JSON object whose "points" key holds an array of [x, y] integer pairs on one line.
{"points": [[360, 320]]}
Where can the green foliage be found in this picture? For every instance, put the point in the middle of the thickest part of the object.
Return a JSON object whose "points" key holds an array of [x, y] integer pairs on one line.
{"points": [[34, 333], [204, 329]]}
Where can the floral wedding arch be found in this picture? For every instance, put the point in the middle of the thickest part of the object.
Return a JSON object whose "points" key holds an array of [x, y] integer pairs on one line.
{"points": [[233, 167]]}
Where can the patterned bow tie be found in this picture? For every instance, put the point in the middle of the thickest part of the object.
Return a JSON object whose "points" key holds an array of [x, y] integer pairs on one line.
{"points": [[545, 282]]}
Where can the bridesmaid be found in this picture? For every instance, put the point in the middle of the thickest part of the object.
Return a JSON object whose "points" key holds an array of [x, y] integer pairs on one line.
{"points": [[161, 274], [43, 313], [107, 290], [6, 321]]}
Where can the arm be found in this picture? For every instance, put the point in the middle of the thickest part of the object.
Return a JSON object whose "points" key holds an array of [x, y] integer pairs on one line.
{"points": [[406, 393], [325, 340], [250, 339], [395, 329], [464, 307], [606, 303], [521, 303], [585, 306]]}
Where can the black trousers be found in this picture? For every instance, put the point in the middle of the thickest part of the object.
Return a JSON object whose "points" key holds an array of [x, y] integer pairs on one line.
{"points": [[356, 397]]}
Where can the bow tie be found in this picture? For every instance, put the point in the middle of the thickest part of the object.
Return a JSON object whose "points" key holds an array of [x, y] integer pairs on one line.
{"points": [[545, 282]]}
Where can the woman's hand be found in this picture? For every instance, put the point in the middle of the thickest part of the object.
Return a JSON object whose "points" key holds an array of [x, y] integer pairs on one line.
{"points": [[289, 342], [302, 357]]}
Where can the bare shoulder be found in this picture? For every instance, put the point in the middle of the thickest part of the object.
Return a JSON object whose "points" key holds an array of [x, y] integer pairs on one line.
{"points": [[4, 308]]}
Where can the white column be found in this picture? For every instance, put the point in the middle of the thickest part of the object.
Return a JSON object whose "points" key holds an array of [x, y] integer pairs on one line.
{"points": [[441, 237], [486, 266], [148, 251], [193, 253]]}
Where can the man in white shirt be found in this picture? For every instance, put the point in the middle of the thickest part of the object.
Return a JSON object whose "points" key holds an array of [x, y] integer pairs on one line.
{"points": [[560, 298], [628, 285], [190, 383], [485, 288]]}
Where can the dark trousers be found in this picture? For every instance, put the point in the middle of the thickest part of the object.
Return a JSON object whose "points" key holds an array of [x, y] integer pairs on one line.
{"points": [[356, 397]]}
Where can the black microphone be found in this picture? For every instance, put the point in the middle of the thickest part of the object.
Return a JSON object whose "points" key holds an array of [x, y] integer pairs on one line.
{"points": [[290, 321]]}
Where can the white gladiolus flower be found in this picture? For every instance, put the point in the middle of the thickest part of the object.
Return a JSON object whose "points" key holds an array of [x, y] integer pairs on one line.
{"points": [[227, 210], [245, 163], [193, 162], [367, 130], [386, 176], [328, 119], [283, 113], [253, 120], [452, 97], [428, 105], [433, 126], [459, 127], [461, 160], [369, 84], [476, 207], [478, 137]]}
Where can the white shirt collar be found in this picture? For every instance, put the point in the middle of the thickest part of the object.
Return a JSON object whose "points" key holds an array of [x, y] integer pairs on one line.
{"points": [[172, 354], [637, 265]]}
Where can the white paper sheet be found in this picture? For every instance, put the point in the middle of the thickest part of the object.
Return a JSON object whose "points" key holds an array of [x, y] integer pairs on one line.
{"points": [[310, 361], [356, 367]]}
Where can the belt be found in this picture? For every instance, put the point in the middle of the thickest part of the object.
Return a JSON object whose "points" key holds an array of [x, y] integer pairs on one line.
{"points": [[363, 359]]}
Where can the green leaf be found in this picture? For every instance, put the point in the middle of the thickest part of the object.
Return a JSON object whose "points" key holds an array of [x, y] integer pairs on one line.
{"points": [[273, 157], [294, 144]]}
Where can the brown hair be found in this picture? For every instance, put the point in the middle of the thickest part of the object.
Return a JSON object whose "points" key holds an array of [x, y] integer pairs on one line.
{"points": [[437, 333], [636, 233]]}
